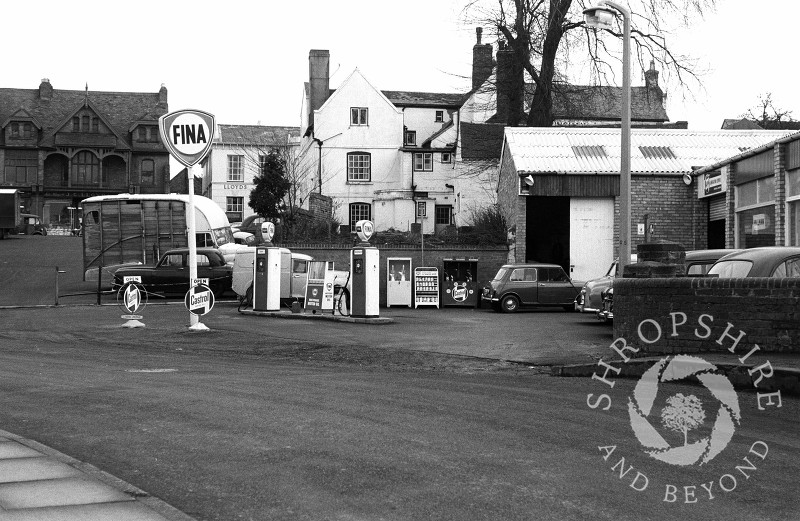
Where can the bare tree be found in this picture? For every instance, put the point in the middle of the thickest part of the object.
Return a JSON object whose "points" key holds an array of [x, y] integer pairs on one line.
{"points": [[682, 414], [766, 114], [545, 37]]}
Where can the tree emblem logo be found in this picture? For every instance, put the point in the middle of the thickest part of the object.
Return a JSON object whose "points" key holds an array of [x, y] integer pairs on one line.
{"points": [[683, 414]]}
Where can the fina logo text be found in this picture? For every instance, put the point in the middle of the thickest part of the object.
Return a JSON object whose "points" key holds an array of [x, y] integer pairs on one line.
{"points": [[188, 134]]}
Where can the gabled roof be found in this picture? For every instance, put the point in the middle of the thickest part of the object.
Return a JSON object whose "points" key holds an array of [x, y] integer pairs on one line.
{"points": [[48, 139], [653, 151], [603, 103], [119, 109], [425, 99], [255, 135], [21, 115]]}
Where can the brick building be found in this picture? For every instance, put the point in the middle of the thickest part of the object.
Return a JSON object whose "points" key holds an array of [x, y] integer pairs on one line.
{"points": [[58, 147], [558, 189]]}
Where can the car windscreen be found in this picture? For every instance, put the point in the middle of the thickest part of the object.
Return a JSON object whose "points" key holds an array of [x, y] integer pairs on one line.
{"points": [[223, 236], [734, 268], [500, 274]]}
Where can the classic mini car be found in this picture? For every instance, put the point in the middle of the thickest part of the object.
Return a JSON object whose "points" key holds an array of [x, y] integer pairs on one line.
{"points": [[171, 274], [532, 284], [698, 263], [770, 261]]}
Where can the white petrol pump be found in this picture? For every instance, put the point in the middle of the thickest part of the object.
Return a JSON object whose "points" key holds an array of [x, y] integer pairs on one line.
{"points": [[364, 274], [267, 272]]}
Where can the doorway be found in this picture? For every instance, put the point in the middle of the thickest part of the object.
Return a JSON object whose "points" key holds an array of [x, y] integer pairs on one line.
{"points": [[547, 230]]}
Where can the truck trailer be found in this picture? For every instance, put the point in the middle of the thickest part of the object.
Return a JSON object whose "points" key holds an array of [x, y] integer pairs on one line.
{"points": [[9, 211]]}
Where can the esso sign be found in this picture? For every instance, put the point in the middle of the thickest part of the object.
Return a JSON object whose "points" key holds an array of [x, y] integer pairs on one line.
{"points": [[364, 230], [267, 231], [187, 134]]}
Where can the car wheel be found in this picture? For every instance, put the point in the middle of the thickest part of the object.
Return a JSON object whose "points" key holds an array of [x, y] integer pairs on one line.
{"points": [[248, 297], [509, 304]]}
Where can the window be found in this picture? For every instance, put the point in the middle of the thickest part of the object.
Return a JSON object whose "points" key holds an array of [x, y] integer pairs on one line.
{"points": [[755, 213], [235, 168], [262, 162], [359, 212], [447, 157], [15, 130], [793, 207], [234, 207], [790, 268], [153, 134], [657, 152], [148, 172], [523, 274], [439, 116], [422, 209], [174, 260], [27, 130], [358, 116], [358, 166], [21, 166], [411, 138], [589, 151], [423, 162], [76, 124], [95, 125], [443, 214], [85, 169], [552, 275], [141, 134], [85, 124]]}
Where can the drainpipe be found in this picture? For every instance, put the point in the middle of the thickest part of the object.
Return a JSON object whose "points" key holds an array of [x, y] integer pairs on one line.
{"points": [[319, 143]]}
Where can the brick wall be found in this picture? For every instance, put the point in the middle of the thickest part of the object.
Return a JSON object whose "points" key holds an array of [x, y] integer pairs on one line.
{"points": [[489, 259], [766, 309], [670, 205]]}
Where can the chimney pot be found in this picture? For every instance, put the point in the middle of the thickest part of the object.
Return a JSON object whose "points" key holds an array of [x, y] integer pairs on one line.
{"points": [[45, 89], [319, 80], [482, 63]]}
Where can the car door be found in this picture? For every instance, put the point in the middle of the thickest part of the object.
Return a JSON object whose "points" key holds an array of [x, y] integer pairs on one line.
{"points": [[168, 274], [299, 278], [522, 281], [555, 288]]}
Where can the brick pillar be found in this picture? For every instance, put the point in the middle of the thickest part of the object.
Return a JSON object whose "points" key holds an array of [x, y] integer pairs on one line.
{"points": [[730, 218], [780, 194], [522, 225]]}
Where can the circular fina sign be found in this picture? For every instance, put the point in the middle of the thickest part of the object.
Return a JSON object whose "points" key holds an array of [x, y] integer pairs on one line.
{"points": [[199, 299]]}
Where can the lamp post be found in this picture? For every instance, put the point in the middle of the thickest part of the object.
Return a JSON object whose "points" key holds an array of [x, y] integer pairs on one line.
{"points": [[600, 17]]}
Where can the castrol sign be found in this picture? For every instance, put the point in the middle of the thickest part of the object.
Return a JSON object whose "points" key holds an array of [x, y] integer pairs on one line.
{"points": [[187, 134], [199, 299]]}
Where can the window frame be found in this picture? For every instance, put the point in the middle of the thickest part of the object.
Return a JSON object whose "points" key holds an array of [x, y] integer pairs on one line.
{"points": [[142, 171], [410, 138], [355, 213], [437, 210], [354, 176], [423, 156], [422, 209], [449, 159], [235, 173], [439, 116], [359, 116]]}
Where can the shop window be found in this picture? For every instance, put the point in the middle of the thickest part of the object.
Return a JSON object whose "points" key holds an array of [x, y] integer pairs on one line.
{"points": [[359, 212], [85, 169], [756, 227]]}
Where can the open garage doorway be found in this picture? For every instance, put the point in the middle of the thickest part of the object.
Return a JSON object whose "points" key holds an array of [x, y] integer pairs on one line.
{"points": [[547, 230]]}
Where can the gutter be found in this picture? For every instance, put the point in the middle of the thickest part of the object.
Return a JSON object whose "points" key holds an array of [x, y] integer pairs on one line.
{"points": [[747, 153]]}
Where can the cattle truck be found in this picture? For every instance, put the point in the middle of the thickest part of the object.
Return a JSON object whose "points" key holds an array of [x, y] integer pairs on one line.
{"points": [[9, 211], [126, 229]]}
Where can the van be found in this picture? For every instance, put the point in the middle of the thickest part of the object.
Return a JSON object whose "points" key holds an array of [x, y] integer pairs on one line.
{"points": [[294, 274]]}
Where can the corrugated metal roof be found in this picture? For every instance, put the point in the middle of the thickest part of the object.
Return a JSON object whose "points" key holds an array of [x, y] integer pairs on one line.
{"points": [[553, 149]]}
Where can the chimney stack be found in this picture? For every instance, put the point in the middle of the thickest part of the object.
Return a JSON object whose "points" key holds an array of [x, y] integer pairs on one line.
{"points": [[45, 90], [319, 80], [482, 62], [162, 95], [509, 87]]}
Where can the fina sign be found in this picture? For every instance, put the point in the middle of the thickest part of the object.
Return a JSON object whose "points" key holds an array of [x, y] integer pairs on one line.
{"points": [[187, 134]]}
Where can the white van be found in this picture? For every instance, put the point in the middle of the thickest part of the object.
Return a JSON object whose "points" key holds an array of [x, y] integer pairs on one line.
{"points": [[294, 274]]}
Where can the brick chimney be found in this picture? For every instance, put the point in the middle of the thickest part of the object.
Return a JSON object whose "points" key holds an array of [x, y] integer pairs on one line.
{"points": [[509, 84], [651, 77], [162, 95], [45, 90], [319, 80], [482, 62]]}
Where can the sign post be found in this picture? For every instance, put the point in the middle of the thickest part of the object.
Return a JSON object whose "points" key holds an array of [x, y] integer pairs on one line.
{"points": [[187, 134]]}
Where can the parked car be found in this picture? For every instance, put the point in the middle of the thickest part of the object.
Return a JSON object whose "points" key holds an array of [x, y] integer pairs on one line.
{"points": [[30, 224], [244, 238], [249, 225], [517, 286], [698, 264], [589, 299], [171, 274], [770, 261]]}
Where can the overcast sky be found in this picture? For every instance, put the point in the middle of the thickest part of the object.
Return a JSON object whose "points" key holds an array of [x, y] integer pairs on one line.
{"points": [[246, 61]]}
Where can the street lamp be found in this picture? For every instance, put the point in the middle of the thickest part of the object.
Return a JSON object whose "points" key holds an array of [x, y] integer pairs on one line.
{"points": [[600, 17]]}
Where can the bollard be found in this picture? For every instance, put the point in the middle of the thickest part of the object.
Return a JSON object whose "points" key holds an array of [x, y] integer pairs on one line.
{"points": [[56, 289]]}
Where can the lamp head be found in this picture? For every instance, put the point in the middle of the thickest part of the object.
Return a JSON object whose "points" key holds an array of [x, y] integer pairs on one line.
{"points": [[267, 231], [599, 17]]}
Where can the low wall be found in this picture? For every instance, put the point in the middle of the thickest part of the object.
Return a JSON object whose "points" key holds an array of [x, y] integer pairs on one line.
{"points": [[489, 259], [767, 310]]}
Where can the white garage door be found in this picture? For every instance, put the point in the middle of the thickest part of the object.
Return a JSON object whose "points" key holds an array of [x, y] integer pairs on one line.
{"points": [[591, 236]]}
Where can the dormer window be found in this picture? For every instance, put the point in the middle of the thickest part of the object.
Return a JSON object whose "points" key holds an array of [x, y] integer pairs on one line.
{"points": [[76, 124], [411, 138], [95, 125], [15, 130]]}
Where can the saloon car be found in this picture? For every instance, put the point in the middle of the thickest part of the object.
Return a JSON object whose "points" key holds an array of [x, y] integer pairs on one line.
{"points": [[518, 286], [171, 274], [769, 261]]}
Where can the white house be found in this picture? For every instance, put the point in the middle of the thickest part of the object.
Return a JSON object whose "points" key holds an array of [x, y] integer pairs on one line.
{"points": [[236, 156]]}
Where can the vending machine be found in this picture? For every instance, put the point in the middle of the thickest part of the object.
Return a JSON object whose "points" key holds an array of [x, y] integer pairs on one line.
{"points": [[460, 282], [398, 281]]}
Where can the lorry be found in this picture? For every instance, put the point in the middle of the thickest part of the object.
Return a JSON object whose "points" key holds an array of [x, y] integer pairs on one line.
{"points": [[9, 211], [126, 229]]}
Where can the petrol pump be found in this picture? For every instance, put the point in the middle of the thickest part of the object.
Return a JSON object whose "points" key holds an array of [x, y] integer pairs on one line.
{"points": [[267, 272], [364, 279]]}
